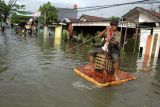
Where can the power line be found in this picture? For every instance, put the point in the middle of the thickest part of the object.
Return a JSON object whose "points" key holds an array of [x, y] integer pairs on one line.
{"points": [[107, 6], [92, 8], [114, 5], [111, 5]]}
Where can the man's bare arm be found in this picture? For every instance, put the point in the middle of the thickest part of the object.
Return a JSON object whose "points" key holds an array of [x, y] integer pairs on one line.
{"points": [[102, 33]]}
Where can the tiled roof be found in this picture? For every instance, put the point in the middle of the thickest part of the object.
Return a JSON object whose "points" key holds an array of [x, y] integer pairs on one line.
{"points": [[69, 20], [151, 12], [73, 19], [93, 18], [146, 11]]}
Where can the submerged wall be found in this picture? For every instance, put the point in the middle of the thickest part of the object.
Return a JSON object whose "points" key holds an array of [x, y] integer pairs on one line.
{"points": [[149, 47], [150, 42]]}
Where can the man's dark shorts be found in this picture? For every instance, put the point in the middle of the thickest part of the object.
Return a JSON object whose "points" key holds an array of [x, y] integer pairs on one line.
{"points": [[95, 51]]}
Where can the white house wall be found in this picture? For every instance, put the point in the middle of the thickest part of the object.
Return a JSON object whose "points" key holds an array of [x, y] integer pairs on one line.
{"points": [[143, 39], [122, 24], [146, 18], [157, 31], [91, 24]]}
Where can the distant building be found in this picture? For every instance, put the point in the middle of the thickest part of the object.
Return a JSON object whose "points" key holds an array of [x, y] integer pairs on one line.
{"points": [[89, 25], [149, 24], [142, 16], [69, 20], [67, 12]]}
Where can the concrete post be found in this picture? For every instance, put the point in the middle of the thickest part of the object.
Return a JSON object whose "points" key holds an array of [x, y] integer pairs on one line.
{"points": [[46, 33], [57, 43], [57, 36], [156, 33], [58, 32]]}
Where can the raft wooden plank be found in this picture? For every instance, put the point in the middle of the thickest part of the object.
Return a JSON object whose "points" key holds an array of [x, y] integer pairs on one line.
{"points": [[101, 55], [101, 80], [100, 59], [101, 63]]}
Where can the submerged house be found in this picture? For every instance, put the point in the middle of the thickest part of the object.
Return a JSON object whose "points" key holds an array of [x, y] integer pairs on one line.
{"points": [[137, 21], [85, 25], [68, 25], [149, 24], [141, 15], [65, 15], [88, 25]]}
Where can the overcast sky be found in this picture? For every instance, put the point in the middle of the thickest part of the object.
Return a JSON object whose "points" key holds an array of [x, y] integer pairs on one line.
{"points": [[33, 5]]}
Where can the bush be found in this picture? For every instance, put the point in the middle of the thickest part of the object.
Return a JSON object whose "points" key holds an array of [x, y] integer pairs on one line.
{"points": [[64, 36], [88, 39], [122, 52], [129, 47]]}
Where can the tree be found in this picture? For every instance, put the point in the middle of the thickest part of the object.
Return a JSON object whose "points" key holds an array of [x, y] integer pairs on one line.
{"points": [[48, 13], [8, 8], [114, 18]]}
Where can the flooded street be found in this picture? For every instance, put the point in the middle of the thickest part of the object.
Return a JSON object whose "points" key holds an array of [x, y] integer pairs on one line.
{"points": [[35, 72]]}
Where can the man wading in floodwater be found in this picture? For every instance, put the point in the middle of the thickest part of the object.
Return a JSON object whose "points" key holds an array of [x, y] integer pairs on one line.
{"points": [[111, 45]]}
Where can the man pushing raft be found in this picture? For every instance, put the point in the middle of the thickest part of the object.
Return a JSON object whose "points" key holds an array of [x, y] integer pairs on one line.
{"points": [[107, 60], [110, 45]]}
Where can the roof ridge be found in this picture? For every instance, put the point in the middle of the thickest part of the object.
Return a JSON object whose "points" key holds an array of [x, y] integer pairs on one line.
{"points": [[147, 11], [154, 13], [93, 16]]}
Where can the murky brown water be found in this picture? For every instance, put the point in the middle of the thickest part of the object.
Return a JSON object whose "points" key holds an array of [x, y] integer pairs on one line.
{"points": [[34, 72]]}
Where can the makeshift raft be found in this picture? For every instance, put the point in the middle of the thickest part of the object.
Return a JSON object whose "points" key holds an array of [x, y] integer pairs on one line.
{"points": [[97, 76]]}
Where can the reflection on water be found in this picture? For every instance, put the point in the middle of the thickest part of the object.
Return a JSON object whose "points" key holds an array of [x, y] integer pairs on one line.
{"points": [[37, 72], [82, 84], [3, 52]]}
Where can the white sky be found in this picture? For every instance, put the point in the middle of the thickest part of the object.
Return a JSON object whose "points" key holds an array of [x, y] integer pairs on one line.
{"points": [[33, 5]]}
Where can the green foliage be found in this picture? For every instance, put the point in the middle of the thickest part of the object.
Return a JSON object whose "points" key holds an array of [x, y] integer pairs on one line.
{"points": [[7, 9], [88, 39], [98, 40], [129, 47], [114, 17], [48, 13], [4, 9], [122, 52], [64, 36], [137, 44]]}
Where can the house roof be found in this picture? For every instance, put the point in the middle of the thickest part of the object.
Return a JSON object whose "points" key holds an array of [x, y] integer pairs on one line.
{"points": [[92, 18], [72, 19], [68, 20], [66, 12], [151, 12], [137, 10], [85, 18]]}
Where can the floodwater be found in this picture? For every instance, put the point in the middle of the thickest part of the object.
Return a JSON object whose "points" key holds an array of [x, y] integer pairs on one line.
{"points": [[35, 72]]}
